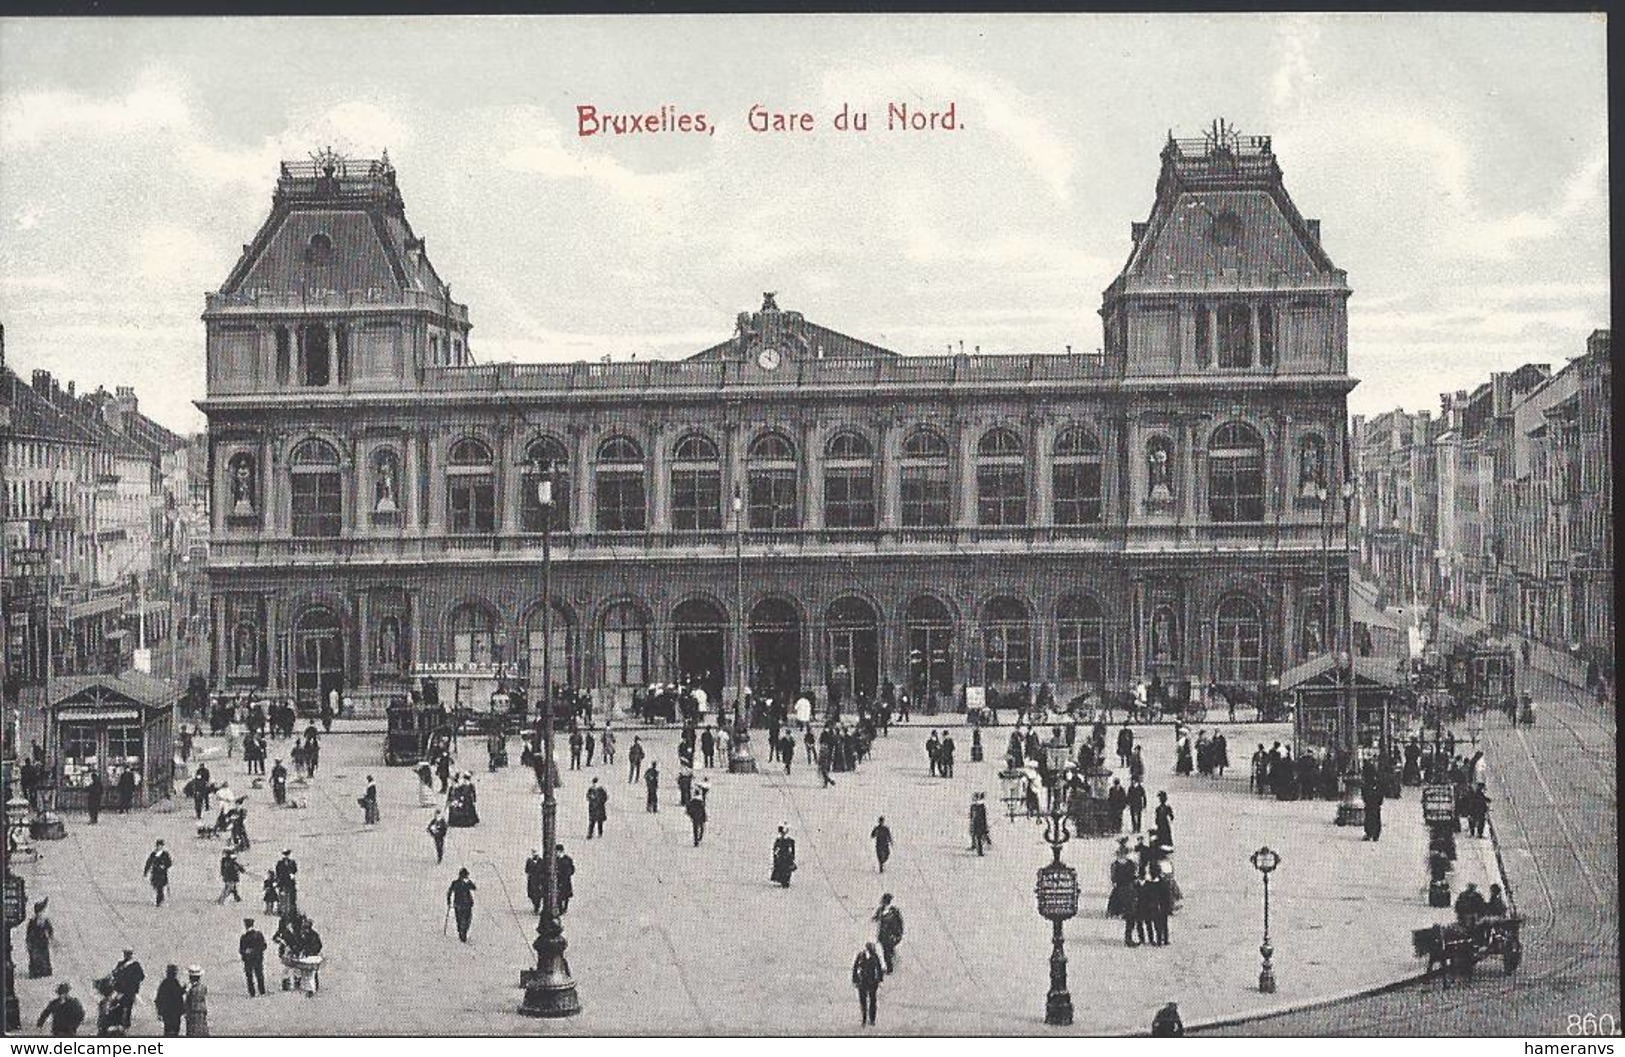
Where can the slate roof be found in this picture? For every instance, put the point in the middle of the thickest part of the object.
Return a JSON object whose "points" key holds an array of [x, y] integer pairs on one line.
{"points": [[1321, 671], [139, 687]]}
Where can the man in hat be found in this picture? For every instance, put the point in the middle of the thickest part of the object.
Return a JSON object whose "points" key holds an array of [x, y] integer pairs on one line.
{"points": [[1135, 799], [883, 841], [287, 881], [251, 948], [437, 832], [597, 809], [1166, 1024], [171, 1000], [651, 783], [231, 871], [784, 857], [536, 880], [867, 974], [888, 929], [460, 898], [93, 794], [127, 977], [634, 760], [696, 817], [64, 1012], [197, 1004], [564, 870], [1117, 803], [279, 784], [157, 870], [980, 834]]}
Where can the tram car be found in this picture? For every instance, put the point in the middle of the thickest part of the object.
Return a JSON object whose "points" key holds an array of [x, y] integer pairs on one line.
{"points": [[1482, 675], [414, 731]]}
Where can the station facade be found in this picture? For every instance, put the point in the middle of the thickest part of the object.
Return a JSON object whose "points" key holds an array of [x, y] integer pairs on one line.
{"points": [[841, 512]]}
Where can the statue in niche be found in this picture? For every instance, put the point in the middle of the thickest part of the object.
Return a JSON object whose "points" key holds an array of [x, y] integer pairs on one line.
{"points": [[388, 650], [1159, 470], [385, 486], [242, 486], [243, 654], [1164, 635], [1314, 639], [1311, 468]]}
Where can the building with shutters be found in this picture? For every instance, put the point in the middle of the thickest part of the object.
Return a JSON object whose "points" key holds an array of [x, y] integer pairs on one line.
{"points": [[1157, 508]]}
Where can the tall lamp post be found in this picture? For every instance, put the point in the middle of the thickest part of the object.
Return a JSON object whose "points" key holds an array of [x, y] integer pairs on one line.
{"points": [[740, 761], [1351, 812], [550, 991], [1265, 860], [1057, 892]]}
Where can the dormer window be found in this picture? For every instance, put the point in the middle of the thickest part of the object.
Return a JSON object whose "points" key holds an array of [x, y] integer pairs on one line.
{"points": [[319, 250]]}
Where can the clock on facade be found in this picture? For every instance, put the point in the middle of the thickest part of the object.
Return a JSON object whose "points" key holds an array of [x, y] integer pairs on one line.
{"points": [[768, 359]]}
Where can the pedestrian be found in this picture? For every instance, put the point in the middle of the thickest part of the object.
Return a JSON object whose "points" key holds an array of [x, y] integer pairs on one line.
{"points": [[810, 743], [651, 784], [634, 760], [1166, 1024], [1155, 896], [607, 744], [1164, 828], [564, 874], [170, 1001], [597, 809], [268, 891], [127, 977], [888, 929], [231, 872], [198, 789], [1478, 810], [1121, 875], [157, 870], [536, 880], [591, 743], [787, 749], [1496, 906], [708, 746], [279, 784], [576, 745], [784, 857], [976, 753], [197, 1004], [1371, 793], [93, 795], [867, 974], [437, 828], [1116, 804], [460, 898], [64, 1012], [327, 714], [1136, 804], [933, 753], [696, 817], [251, 948], [883, 841], [287, 883], [38, 938], [369, 803], [945, 755], [981, 836], [685, 783]]}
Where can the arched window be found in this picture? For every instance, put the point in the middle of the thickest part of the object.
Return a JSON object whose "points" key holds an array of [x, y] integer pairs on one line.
{"points": [[926, 491], [1077, 478], [470, 487], [1001, 479], [1236, 474], [771, 473], [1080, 638], [1007, 643], [1240, 640], [562, 661], [473, 635], [696, 484], [620, 506], [318, 491], [545, 451], [849, 482], [386, 483], [625, 646]]}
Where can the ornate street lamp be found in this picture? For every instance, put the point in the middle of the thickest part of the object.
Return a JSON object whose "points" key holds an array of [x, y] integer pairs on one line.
{"points": [[550, 991], [1057, 892], [1265, 860], [740, 761]]}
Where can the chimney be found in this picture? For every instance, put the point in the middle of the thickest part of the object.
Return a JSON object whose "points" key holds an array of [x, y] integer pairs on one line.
{"points": [[1596, 345], [1314, 229], [1500, 394], [42, 382], [125, 398], [1137, 231], [70, 388]]}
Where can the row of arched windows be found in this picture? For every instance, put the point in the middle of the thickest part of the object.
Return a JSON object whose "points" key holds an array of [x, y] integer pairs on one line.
{"points": [[1006, 627], [771, 493]]}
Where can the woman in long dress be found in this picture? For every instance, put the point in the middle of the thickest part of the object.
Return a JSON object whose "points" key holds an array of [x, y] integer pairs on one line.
{"points": [[784, 857], [40, 932]]}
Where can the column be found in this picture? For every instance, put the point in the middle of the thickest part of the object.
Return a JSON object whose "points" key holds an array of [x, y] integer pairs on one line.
{"points": [[1185, 437], [965, 452], [1291, 640], [411, 484], [891, 474], [1190, 644], [1138, 650], [222, 659], [1213, 343], [414, 617], [267, 356], [270, 521], [733, 476], [349, 490], [437, 486], [1252, 333], [1041, 473], [220, 488], [580, 480], [812, 454], [334, 377], [363, 627], [509, 482], [660, 480], [271, 606]]}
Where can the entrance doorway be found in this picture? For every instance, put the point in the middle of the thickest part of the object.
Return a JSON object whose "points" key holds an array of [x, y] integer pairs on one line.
{"points": [[930, 629], [854, 648], [701, 631], [775, 649], [318, 649]]}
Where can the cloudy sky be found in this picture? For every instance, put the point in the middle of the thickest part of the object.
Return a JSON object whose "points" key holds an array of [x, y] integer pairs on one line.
{"points": [[1458, 164]]}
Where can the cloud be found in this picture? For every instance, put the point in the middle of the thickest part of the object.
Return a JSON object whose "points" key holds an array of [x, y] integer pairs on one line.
{"points": [[153, 104], [1298, 41], [539, 147]]}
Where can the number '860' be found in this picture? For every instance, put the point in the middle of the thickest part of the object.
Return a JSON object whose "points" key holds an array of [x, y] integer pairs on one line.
{"points": [[1591, 1024]]}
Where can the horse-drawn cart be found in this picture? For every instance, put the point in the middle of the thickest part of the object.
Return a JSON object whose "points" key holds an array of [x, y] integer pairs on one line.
{"points": [[1458, 947]]}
